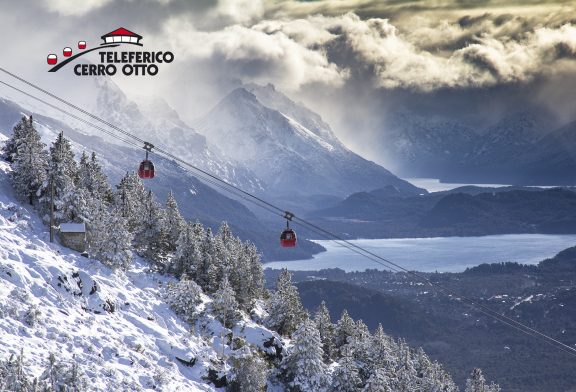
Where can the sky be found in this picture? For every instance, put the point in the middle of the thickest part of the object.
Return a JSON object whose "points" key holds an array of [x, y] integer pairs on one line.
{"points": [[353, 61]]}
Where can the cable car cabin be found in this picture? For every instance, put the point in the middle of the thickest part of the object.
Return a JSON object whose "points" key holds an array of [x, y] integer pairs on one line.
{"points": [[146, 170], [288, 238]]}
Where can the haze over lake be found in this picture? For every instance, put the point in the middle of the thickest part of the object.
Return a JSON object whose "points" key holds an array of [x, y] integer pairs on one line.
{"points": [[442, 254]]}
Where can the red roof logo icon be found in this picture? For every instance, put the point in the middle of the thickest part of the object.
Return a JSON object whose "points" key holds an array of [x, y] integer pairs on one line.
{"points": [[121, 35]]}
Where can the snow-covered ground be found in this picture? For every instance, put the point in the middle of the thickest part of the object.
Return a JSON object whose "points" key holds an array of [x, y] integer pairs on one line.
{"points": [[115, 326]]}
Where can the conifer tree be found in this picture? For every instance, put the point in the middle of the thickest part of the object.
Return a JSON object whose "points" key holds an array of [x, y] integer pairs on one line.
{"points": [[345, 377], [92, 178], [477, 383], [361, 345], [62, 377], [30, 160], [326, 329], [378, 382], [381, 350], [152, 240], [12, 375], [63, 178], [188, 250], [345, 330], [248, 264], [131, 199], [10, 148], [303, 368], [285, 309], [174, 223], [111, 242], [225, 307], [208, 267]]}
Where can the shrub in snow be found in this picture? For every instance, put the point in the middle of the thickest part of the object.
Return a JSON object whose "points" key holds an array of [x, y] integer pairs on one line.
{"points": [[184, 297], [32, 315], [248, 374]]}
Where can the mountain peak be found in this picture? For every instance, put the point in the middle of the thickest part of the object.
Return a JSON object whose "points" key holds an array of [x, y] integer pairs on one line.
{"points": [[241, 93]]}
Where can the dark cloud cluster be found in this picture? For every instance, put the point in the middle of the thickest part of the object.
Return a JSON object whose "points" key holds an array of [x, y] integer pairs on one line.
{"points": [[368, 49]]}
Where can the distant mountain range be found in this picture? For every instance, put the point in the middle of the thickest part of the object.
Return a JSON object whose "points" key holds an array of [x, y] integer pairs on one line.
{"points": [[465, 211], [527, 147]]}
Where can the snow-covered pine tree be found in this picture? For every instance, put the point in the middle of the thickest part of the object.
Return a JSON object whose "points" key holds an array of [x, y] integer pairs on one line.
{"points": [[344, 331], [248, 265], [249, 374], [209, 269], [345, 377], [303, 368], [63, 172], [10, 148], [188, 250], [12, 375], [131, 198], [360, 345], [430, 375], [406, 378], [326, 329], [30, 160], [285, 311], [92, 178], [378, 382], [174, 223], [225, 307], [62, 377], [477, 383], [113, 245], [380, 352], [183, 297], [152, 240]]}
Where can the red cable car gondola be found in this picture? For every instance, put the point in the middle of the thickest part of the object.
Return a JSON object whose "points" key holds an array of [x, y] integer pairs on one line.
{"points": [[288, 236], [146, 169]]}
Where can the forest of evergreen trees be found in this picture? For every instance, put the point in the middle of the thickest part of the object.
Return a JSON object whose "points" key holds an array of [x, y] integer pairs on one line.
{"points": [[322, 355]]}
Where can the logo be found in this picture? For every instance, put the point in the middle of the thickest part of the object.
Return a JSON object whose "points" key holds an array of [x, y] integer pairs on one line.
{"points": [[130, 63]]}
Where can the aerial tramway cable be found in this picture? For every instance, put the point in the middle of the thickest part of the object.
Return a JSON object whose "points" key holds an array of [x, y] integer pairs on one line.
{"points": [[235, 190]]}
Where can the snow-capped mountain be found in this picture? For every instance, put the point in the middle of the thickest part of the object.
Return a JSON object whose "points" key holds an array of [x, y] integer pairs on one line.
{"points": [[425, 146], [289, 147], [155, 121], [446, 148]]}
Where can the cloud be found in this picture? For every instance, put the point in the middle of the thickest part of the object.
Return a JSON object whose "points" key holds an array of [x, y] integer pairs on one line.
{"points": [[461, 54], [253, 54], [72, 7]]}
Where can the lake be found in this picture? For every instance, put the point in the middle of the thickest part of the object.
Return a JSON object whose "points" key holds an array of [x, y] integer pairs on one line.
{"points": [[443, 254]]}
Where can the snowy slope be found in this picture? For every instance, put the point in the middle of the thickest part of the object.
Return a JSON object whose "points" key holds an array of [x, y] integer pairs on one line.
{"points": [[114, 325], [289, 147]]}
